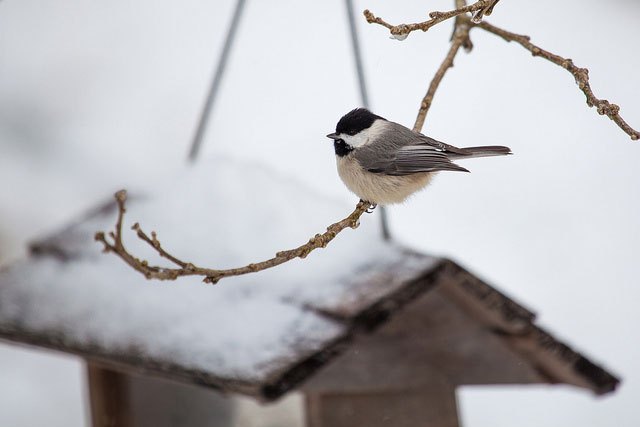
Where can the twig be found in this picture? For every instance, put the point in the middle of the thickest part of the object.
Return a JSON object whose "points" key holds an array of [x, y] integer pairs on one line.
{"points": [[460, 37], [212, 275], [400, 32], [581, 75]]}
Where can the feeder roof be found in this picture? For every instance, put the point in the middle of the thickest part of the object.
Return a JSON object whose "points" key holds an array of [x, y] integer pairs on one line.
{"points": [[263, 334]]}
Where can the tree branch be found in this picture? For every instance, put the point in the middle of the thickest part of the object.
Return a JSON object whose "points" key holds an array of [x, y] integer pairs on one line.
{"points": [[581, 75], [460, 37], [400, 32], [212, 275]]}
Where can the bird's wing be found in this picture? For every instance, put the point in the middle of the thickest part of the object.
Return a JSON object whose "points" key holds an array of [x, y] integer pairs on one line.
{"points": [[451, 149], [400, 151], [423, 158]]}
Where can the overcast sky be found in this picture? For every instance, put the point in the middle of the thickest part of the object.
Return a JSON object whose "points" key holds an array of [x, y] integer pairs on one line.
{"points": [[95, 96]]}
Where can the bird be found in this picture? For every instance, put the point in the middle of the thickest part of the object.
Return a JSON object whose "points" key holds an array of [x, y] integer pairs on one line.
{"points": [[384, 163]]}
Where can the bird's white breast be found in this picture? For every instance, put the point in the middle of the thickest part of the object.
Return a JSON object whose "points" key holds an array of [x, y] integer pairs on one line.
{"points": [[380, 189]]}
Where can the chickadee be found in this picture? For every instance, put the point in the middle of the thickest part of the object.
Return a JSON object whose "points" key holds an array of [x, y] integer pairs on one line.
{"points": [[383, 162]]}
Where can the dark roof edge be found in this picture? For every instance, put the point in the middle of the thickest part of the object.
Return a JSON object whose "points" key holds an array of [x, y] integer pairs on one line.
{"points": [[553, 359]]}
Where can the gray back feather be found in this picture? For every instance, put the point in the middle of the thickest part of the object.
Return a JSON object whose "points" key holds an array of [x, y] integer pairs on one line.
{"points": [[401, 151]]}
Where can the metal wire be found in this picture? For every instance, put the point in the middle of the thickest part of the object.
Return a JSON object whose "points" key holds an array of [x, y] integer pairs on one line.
{"points": [[364, 96], [215, 83]]}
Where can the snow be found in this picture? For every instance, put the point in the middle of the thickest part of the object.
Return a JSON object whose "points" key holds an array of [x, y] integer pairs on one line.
{"points": [[242, 328], [399, 36]]}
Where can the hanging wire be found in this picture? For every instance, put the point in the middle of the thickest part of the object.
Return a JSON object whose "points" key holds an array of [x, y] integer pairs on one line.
{"points": [[215, 83], [364, 96]]}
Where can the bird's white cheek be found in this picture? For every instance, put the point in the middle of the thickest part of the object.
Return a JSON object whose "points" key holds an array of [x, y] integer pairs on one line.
{"points": [[357, 140], [365, 136]]}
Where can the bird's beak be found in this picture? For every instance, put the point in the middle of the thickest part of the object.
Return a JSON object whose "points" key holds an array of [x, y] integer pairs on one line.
{"points": [[333, 136]]}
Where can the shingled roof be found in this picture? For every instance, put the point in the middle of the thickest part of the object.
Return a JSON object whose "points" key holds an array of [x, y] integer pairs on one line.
{"points": [[359, 303]]}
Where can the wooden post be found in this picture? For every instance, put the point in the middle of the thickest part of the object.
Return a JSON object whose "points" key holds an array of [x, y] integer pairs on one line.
{"points": [[108, 397], [434, 407], [123, 400]]}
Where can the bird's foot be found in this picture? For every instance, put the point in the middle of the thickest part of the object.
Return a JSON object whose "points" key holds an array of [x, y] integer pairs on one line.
{"points": [[371, 208]]}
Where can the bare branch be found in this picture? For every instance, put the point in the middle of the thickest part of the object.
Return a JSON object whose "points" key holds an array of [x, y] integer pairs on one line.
{"points": [[155, 244], [212, 275], [460, 37], [400, 32], [581, 75]]}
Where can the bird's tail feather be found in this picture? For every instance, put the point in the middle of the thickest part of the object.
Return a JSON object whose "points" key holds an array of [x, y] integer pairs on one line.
{"points": [[485, 151]]}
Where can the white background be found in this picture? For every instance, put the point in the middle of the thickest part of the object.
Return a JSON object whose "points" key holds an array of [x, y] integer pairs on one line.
{"points": [[95, 96]]}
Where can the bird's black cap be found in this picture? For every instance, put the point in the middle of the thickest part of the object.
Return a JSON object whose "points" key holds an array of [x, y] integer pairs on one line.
{"points": [[355, 121]]}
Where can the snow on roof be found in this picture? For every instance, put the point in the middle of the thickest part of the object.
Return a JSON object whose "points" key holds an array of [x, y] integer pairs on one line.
{"points": [[218, 214]]}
